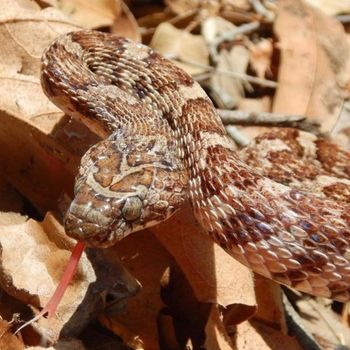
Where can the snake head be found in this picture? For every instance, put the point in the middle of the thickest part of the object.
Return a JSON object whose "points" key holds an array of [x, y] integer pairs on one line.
{"points": [[124, 185]]}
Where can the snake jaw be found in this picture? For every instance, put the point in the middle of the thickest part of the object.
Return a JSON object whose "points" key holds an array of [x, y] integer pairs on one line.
{"points": [[91, 225], [102, 224]]}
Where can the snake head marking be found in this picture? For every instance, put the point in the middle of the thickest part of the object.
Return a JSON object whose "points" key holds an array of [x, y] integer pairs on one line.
{"points": [[125, 184]]}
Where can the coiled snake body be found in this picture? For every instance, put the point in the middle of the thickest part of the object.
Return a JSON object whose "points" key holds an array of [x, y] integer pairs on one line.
{"points": [[163, 143]]}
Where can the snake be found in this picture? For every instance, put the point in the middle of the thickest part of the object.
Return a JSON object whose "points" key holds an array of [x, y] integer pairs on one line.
{"points": [[162, 144]]}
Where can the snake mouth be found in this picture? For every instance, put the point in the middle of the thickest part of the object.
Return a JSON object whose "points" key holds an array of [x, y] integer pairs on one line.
{"points": [[93, 226]]}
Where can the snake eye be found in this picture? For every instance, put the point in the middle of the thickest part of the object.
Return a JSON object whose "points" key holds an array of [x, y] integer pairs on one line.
{"points": [[132, 209]]}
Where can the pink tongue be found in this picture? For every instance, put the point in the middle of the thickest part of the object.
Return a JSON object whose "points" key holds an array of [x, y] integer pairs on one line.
{"points": [[51, 306]]}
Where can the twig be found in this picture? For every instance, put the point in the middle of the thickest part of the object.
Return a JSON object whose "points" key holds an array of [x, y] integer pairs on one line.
{"points": [[202, 77], [229, 35], [173, 20], [182, 16], [232, 34], [344, 19], [193, 24], [260, 9], [240, 139], [240, 76], [268, 119]]}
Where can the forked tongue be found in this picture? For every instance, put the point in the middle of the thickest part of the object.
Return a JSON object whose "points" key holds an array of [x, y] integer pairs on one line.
{"points": [[51, 306]]}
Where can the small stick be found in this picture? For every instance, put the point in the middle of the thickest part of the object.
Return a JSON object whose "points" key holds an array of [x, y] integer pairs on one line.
{"points": [[51, 306], [239, 138], [343, 19], [260, 9], [267, 119], [231, 35], [235, 75], [148, 31]]}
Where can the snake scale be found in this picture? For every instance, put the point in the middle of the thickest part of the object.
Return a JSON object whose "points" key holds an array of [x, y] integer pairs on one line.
{"points": [[162, 143]]}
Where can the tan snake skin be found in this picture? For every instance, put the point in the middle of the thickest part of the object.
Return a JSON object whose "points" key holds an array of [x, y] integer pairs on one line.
{"points": [[163, 143]]}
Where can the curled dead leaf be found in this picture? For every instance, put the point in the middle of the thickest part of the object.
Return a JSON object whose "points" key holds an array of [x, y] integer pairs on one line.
{"points": [[91, 14], [126, 25], [31, 266], [315, 64], [252, 335], [181, 6], [216, 334], [331, 7], [102, 13], [31, 155], [189, 51], [213, 274]]}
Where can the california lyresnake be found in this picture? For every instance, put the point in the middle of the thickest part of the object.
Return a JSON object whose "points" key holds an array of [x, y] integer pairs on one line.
{"points": [[163, 143]]}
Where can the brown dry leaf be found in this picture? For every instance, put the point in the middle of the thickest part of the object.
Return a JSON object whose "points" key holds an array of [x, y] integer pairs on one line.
{"points": [[228, 91], [11, 218], [241, 4], [315, 63], [7, 340], [270, 303], [216, 334], [253, 335], [247, 335], [25, 31], [30, 154], [125, 24], [331, 7], [206, 8], [188, 50], [102, 13], [147, 259], [92, 13], [182, 6], [149, 22], [42, 250], [213, 274]]}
